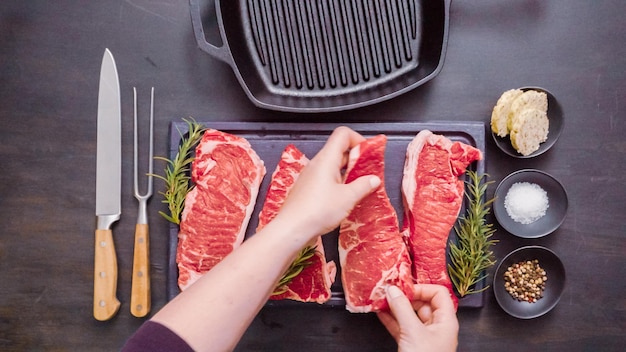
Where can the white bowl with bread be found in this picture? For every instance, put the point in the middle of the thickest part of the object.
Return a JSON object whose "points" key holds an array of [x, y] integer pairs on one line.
{"points": [[526, 122]]}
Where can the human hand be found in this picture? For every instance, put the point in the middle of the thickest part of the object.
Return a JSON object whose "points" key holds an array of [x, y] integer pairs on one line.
{"points": [[319, 200], [434, 327]]}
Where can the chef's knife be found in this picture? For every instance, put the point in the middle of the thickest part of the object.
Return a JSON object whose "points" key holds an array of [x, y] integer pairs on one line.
{"points": [[108, 189]]}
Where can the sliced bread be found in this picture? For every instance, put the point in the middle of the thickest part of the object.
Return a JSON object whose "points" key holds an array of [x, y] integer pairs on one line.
{"points": [[529, 129], [500, 113], [530, 99]]}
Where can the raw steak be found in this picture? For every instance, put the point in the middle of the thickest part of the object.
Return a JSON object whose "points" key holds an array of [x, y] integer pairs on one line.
{"points": [[227, 174], [313, 283], [433, 195], [372, 251]]}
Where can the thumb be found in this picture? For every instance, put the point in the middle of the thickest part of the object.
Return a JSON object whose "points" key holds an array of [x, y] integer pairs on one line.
{"points": [[363, 186], [401, 308]]}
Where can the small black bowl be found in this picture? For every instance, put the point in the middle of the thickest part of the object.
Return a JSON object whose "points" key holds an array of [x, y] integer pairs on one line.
{"points": [[555, 116], [555, 214], [555, 272]]}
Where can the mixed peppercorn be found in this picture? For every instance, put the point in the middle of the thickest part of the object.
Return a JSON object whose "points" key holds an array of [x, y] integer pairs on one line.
{"points": [[525, 281]]}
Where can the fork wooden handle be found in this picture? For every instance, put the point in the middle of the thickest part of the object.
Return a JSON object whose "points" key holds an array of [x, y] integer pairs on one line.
{"points": [[140, 292]]}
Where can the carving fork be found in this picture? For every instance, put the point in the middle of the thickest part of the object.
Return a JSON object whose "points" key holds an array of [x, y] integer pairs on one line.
{"points": [[140, 292]]}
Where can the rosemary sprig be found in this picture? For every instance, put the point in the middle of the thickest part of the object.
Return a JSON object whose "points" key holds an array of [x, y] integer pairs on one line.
{"points": [[472, 254], [177, 179], [295, 268]]}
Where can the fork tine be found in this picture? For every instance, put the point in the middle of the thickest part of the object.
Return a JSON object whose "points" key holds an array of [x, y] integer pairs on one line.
{"points": [[149, 191], [151, 156], [135, 152]]}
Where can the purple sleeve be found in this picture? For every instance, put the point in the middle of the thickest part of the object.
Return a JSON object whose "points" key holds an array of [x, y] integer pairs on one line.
{"points": [[155, 337]]}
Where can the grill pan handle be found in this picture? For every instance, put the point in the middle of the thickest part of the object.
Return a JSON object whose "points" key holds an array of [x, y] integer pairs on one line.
{"points": [[219, 52]]}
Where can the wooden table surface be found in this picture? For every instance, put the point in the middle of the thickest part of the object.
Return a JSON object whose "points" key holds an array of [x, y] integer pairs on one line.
{"points": [[50, 54]]}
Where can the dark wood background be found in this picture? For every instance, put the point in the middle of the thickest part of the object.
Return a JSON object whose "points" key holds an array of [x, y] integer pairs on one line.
{"points": [[50, 54]]}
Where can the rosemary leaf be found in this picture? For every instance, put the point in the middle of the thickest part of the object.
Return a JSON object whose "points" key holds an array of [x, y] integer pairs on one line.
{"points": [[471, 255], [176, 177], [294, 269]]}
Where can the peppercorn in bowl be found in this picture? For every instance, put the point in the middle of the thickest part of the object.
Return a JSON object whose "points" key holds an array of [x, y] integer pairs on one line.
{"points": [[530, 203], [529, 282]]}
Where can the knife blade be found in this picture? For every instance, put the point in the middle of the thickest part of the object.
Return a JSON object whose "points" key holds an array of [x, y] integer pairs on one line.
{"points": [[108, 189]]}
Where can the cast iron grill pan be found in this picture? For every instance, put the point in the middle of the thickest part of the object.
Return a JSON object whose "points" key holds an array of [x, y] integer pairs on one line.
{"points": [[327, 55]]}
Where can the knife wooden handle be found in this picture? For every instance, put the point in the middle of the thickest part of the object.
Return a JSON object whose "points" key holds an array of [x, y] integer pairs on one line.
{"points": [[105, 302], [140, 291]]}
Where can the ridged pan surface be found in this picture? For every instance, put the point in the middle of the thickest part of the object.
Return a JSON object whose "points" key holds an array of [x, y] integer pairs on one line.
{"points": [[327, 55], [337, 46]]}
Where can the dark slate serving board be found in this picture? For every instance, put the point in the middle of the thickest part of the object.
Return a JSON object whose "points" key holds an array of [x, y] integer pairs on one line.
{"points": [[269, 140]]}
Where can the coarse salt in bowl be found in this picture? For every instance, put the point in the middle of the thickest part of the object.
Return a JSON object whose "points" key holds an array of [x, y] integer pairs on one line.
{"points": [[526, 202], [530, 203]]}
